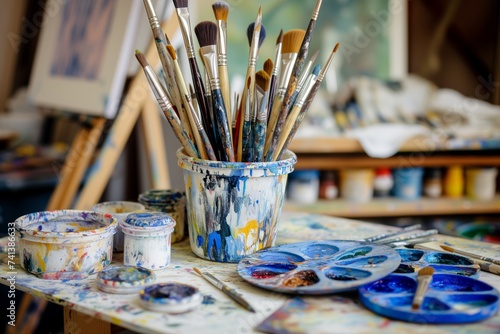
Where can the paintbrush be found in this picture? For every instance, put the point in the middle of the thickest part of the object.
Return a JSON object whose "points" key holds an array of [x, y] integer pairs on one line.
{"points": [[166, 60], [206, 32], [294, 114], [224, 288], [262, 81], [166, 106], [275, 72], [185, 116], [301, 81], [409, 237], [221, 11], [309, 100], [469, 254], [423, 280], [392, 234], [410, 243], [295, 75], [246, 130], [183, 16], [207, 150], [291, 45], [255, 40]]}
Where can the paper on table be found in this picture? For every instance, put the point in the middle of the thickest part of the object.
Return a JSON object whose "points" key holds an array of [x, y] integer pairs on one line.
{"points": [[385, 140]]}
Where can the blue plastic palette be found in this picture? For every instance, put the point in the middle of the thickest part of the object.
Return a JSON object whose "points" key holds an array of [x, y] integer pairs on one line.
{"points": [[450, 299], [318, 267], [412, 260]]}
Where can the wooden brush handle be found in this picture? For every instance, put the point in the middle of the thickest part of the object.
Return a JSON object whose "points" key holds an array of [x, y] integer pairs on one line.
{"points": [[200, 97]]}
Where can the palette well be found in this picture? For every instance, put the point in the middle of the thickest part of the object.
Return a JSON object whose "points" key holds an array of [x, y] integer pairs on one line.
{"points": [[124, 279], [170, 297], [318, 267], [450, 299], [412, 260]]}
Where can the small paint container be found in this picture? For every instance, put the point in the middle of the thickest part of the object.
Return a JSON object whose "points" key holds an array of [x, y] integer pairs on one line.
{"points": [[480, 183], [170, 297], [147, 239], [124, 279], [356, 185], [171, 201], [233, 208], [303, 186], [453, 183], [65, 244], [408, 183], [120, 210]]}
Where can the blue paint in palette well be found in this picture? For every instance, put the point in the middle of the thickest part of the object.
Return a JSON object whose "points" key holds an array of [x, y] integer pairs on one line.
{"points": [[449, 299], [412, 260], [318, 267]]}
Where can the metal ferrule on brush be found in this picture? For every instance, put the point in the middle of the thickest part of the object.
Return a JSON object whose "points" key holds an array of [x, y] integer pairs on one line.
{"points": [[277, 58], [157, 89], [254, 49], [152, 18], [315, 13], [287, 62], [221, 43], [304, 92], [184, 22], [209, 56]]}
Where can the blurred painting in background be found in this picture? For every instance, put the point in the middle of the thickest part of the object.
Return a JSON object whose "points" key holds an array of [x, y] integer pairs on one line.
{"points": [[82, 37], [366, 29]]}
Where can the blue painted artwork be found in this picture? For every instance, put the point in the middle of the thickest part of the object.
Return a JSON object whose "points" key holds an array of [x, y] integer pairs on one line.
{"points": [[82, 38]]}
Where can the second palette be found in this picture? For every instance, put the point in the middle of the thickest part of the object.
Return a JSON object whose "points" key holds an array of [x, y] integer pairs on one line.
{"points": [[318, 267]]}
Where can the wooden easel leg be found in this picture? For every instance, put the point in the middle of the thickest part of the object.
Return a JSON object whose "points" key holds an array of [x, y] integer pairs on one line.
{"points": [[155, 145], [79, 323]]}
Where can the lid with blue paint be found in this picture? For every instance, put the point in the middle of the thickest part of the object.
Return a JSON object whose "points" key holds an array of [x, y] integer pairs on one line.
{"points": [[161, 197], [124, 279], [150, 219], [171, 297]]}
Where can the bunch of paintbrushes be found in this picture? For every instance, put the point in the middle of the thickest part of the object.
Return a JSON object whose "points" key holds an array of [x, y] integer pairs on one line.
{"points": [[256, 125]]}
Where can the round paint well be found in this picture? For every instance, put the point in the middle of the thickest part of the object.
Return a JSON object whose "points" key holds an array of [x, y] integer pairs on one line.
{"points": [[410, 255], [363, 262], [301, 278], [270, 270], [392, 284], [443, 282], [346, 274], [171, 297], [354, 253], [319, 251], [281, 257], [124, 279], [446, 258]]}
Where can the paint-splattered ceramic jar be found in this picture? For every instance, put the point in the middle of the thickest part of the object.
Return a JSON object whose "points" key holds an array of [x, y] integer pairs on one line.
{"points": [[65, 244], [171, 201], [147, 239], [120, 210], [124, 279], [233, 208]]}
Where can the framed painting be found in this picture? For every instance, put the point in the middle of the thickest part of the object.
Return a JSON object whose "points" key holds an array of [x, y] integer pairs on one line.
{"points": [[83, 55]]}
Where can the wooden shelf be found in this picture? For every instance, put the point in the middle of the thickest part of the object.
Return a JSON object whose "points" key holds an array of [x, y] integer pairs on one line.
{"points": [[390, 207]]}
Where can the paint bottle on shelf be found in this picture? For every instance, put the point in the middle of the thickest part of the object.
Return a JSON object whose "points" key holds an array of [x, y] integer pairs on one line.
{"points": [[328, 185], [432, 182], [454, 182], [356, 185], [383, 182], [408, 183], [303, 186], [480, 183]]}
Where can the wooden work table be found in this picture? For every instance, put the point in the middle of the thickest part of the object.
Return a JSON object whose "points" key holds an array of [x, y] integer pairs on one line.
{"points": [[88, 310]]}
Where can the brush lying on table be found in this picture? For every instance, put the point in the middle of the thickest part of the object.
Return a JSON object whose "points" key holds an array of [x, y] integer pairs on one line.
{"points": [[259, 125]]}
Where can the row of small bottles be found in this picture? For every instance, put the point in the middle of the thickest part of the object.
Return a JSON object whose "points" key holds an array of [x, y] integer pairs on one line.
{"points": [[362, 184]]}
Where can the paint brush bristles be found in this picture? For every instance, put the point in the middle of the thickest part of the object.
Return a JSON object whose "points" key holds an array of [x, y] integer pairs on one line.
{"points": [[221, 11], [424, 280]]}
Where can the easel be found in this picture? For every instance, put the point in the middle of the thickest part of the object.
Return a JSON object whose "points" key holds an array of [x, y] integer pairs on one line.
{"points": [[138, 102]]}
